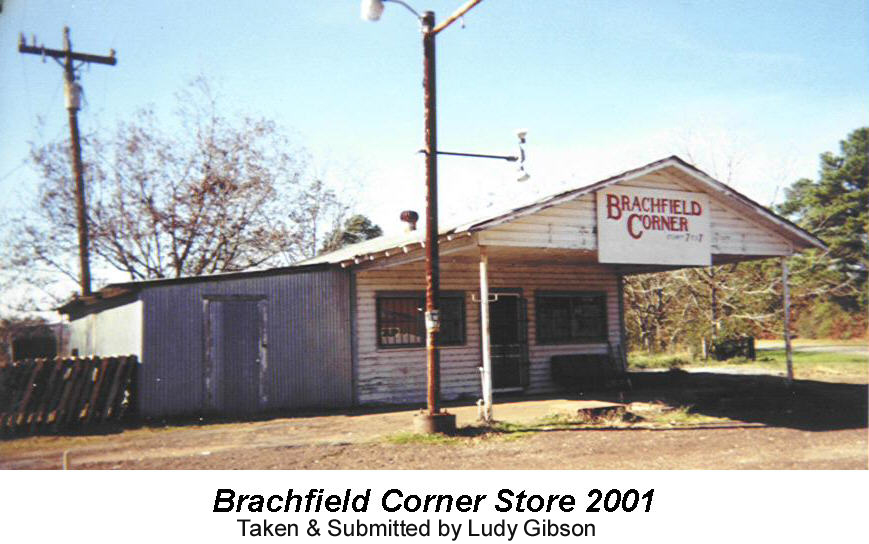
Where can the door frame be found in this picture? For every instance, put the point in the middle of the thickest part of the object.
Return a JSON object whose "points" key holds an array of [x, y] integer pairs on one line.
{"points": [[524, 370], [209, 384]]}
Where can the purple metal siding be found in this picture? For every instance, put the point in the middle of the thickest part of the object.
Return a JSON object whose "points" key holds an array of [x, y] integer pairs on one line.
{"points": [[308, 331]]}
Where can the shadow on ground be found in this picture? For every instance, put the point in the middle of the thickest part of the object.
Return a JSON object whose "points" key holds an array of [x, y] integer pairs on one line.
{"points": [[806, 405], [755, 399]]}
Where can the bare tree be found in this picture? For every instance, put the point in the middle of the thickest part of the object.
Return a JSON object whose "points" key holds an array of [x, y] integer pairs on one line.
{"points": [[213, 194]]}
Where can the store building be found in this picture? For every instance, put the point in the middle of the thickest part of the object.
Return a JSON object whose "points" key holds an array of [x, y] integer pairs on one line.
{"points": [[346, 328]]}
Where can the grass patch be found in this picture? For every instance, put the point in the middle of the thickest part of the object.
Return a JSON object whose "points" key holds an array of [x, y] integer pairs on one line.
{"points": [[851, 367], [643, 361], [808, 365], [797, 342], [658, 415], [407, 437], [642, 416]]}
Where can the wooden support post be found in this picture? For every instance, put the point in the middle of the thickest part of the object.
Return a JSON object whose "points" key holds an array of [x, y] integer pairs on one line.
{"points": [[486, 374], [623, 331], [786, 295]]}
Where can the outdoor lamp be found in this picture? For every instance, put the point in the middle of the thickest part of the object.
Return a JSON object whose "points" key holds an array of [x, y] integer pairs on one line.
{"points": [[523, 175], [373, 9], [433, 419]]}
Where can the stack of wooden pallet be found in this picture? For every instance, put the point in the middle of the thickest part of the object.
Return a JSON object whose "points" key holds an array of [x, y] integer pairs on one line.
{"points": [[51, 395]]}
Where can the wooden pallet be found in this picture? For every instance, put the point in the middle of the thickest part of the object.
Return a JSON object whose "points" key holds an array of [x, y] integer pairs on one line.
{"points": [[51, 395]]}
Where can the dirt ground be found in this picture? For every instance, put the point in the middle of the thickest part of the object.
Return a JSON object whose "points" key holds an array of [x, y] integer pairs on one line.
{"points": [[735, 422]]}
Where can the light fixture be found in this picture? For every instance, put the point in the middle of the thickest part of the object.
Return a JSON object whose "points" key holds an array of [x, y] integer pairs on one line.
{"points": [[372, 9], [522, 133]]}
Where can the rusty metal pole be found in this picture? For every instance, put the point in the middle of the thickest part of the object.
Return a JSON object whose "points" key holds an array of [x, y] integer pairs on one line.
{"points": [[432, 265]]}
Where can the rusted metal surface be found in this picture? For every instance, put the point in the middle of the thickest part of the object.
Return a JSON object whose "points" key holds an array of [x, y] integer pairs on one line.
{"points": [[464, 8], [432, 273], [51, 395]]}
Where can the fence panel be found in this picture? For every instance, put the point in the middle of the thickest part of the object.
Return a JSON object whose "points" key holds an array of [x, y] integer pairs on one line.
{"points": [[51, 395]]}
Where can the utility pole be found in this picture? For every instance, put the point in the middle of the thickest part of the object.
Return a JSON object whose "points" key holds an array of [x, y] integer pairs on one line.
{"points": [[67, 58]]}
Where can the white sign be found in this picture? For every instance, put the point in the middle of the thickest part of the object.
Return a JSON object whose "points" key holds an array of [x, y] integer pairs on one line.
{"points": [[651, 226]]}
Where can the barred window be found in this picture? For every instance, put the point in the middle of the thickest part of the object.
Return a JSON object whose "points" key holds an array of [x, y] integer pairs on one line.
{"points": [[571, 317], [401, 319]]}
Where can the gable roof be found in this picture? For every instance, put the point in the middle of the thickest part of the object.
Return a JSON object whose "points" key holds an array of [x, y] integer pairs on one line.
{"points": [[404, 242], [790, 231]]}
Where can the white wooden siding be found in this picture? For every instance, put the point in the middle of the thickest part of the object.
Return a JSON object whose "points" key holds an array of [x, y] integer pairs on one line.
{"points": [[572, 225], [398, 375]]}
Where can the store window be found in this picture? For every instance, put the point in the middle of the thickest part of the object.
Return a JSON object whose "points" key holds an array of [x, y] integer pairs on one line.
{"points": [[401, 319], [572, 317]]}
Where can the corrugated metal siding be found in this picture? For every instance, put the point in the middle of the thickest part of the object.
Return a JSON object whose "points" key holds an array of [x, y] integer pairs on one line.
{"points": [[113, 331], [572, 225], [308, 331], [398, 375]]}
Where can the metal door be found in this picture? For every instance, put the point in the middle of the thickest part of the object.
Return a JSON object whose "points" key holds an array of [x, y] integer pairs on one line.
{"points": [[235, 355], [509, 341]]}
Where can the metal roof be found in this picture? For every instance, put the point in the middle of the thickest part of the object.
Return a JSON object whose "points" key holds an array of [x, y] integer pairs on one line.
{"points": [[114, 291], [367, 250], [386, 246]]}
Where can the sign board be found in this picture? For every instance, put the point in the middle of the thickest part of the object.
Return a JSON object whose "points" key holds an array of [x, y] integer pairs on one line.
{"points": [[651, 226]]}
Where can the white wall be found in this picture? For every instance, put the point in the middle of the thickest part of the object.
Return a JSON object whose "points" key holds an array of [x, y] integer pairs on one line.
{"points": [[572, 225], [117, 331], [398, 375]]}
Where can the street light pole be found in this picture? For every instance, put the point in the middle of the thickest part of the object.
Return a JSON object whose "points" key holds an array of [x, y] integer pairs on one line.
{"points": [[432, 264], [433, 420]]}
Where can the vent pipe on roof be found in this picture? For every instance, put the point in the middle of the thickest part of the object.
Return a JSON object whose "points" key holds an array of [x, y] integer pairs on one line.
{"points": [[410, 217]]}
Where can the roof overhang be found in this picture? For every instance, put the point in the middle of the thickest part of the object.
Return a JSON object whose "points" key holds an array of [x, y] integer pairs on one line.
{"points": [[371, 251], [796, 234], [461, 242]]}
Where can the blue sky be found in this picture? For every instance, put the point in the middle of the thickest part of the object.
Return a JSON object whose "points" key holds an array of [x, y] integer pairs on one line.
{"points": [[602, 86]]}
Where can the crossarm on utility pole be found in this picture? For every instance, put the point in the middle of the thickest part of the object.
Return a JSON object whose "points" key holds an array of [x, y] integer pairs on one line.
{"points": [[60, 54]]}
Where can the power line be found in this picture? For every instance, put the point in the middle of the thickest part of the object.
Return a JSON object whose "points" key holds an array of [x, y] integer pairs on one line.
{"points": [[17, 168]]}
